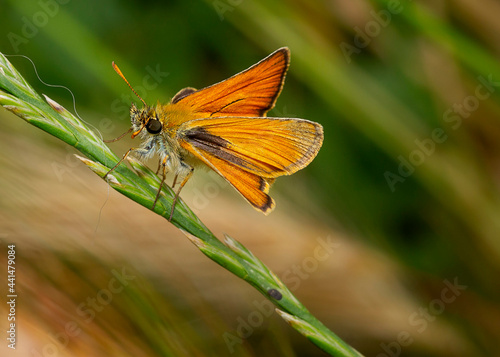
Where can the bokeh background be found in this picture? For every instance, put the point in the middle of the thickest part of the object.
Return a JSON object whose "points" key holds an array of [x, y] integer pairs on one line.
{"points": [[403, 198]]}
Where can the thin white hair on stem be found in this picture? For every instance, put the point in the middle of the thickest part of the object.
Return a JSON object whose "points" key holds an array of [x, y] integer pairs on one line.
{"points": [[59, 86], [78, 116]]}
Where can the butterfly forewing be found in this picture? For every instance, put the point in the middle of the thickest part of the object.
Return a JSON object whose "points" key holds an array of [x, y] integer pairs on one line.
{"points": [[268, 147], [252, 92]]}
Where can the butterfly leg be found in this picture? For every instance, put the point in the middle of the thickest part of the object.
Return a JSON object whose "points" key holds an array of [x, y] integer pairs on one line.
{"points": [[189, 170], [119, 162], [118, 138], [137, 151], [161, 164], [175, 180]]}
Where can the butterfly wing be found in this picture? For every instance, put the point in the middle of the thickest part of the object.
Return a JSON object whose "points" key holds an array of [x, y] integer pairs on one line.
{"points": [[254, 188], [252, 92], [251, 152]]}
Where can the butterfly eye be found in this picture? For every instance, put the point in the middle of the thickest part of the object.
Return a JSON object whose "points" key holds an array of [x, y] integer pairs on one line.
{"points": [[153, 126]]}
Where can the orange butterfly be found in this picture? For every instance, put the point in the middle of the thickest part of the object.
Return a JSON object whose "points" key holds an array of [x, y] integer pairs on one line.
{"points": [[225, 127]]}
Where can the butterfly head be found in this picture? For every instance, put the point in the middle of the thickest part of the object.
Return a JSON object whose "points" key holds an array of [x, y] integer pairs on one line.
{"points": [[146, 119]]}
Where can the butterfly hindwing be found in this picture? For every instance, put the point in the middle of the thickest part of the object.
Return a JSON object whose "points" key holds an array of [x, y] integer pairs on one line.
{"points": [[254, 188]]}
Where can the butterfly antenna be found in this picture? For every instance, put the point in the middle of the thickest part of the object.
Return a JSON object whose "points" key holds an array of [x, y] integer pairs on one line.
{"points": [[115, 67]]}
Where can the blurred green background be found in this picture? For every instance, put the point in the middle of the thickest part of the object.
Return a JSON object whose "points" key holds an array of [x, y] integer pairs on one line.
{"points": [[407, 178]]}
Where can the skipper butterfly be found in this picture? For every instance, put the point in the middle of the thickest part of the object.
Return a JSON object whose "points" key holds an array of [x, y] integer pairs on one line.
{"points": [[224, 126]]}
